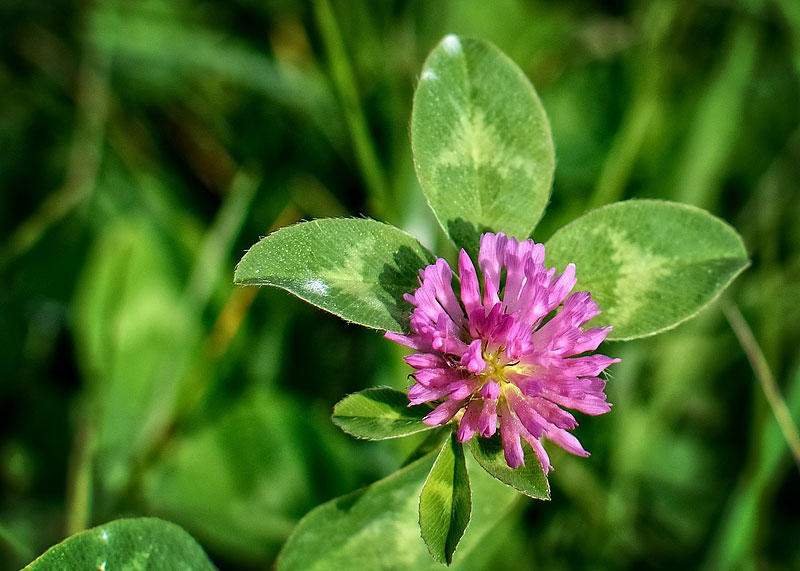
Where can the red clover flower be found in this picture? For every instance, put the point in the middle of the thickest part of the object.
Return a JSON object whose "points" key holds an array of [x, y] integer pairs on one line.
{"points": [[495, 359]]}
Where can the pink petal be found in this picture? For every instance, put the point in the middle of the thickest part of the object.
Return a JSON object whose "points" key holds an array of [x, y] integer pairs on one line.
{"points": [[560, 289], [553, 414], [469, 422], [527, 415], [419, 394], [491, 255], [590, 404], [472, 358], [446, 336], [490, 390], [532, 306], [491, 291], [470, 290], [588, 366], [496, 328], [463, 388], [436, 376], [487, 423], [578, 309], [424, 360], [406, 340], [515, 256], [509, 433], [567, 441], [590, 340], [541, 455], [518, 341], [425, 300], [440, 277], [444, 412]]}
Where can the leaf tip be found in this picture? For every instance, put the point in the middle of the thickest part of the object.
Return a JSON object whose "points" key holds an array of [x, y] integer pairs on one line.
{"points": [[451, 44]]}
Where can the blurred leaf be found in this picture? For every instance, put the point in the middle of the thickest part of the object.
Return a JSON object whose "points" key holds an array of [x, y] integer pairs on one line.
{"points": [[355, 268], [380, 413], [528, 479], [445, 502], [649, 264], [481, 140], [344, 79], [717, 124], [749, 501], [377, 527], [134, 340], [140, 543], [172, 48], [239, 482], [791, 12]]}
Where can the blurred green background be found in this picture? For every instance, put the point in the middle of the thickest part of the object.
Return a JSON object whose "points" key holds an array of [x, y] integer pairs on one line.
{"points": [[145, 145]]}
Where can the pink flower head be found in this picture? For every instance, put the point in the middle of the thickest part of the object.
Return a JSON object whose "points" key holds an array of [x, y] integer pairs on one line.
{"points": [[488, 360]]}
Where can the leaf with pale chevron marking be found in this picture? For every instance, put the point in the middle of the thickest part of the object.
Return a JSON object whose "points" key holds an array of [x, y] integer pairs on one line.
{"points": [[482, 144], [357, 269], [649, 264]]}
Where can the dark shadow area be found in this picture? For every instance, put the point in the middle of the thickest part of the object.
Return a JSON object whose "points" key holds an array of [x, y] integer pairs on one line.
{"points": [[347, 502], [401, 278], [466, 235]]}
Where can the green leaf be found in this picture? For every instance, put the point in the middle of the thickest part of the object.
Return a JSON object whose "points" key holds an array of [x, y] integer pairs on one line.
{"points": [[126, 544], [171, 50], [380, 413], [649, 264], [377, 527], [445, 502], [482, 144], [528, 479], [434, 439], [134, 339], [239, 480], [357, 269]]}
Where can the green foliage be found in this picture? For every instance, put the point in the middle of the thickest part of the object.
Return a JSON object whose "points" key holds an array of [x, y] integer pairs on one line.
{"points": [[146, 145], [732, 544], [378, 526], [445, 502], [380, 413], [528, 479], [238, 482], [484, 158], [649, 264], [127, 544], [481, 141], [356, 269], [134, 337], [375, 526]]}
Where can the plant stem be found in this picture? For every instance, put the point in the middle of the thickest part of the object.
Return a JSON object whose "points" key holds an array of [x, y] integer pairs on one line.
{"points": [[79, 485], [765, 378], [21, 550], [746, 513], [211, 260], [708, 146], [345, 84]]}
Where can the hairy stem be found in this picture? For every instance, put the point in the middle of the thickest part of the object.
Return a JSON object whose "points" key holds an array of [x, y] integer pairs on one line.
{"points": [[765, 378]]}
